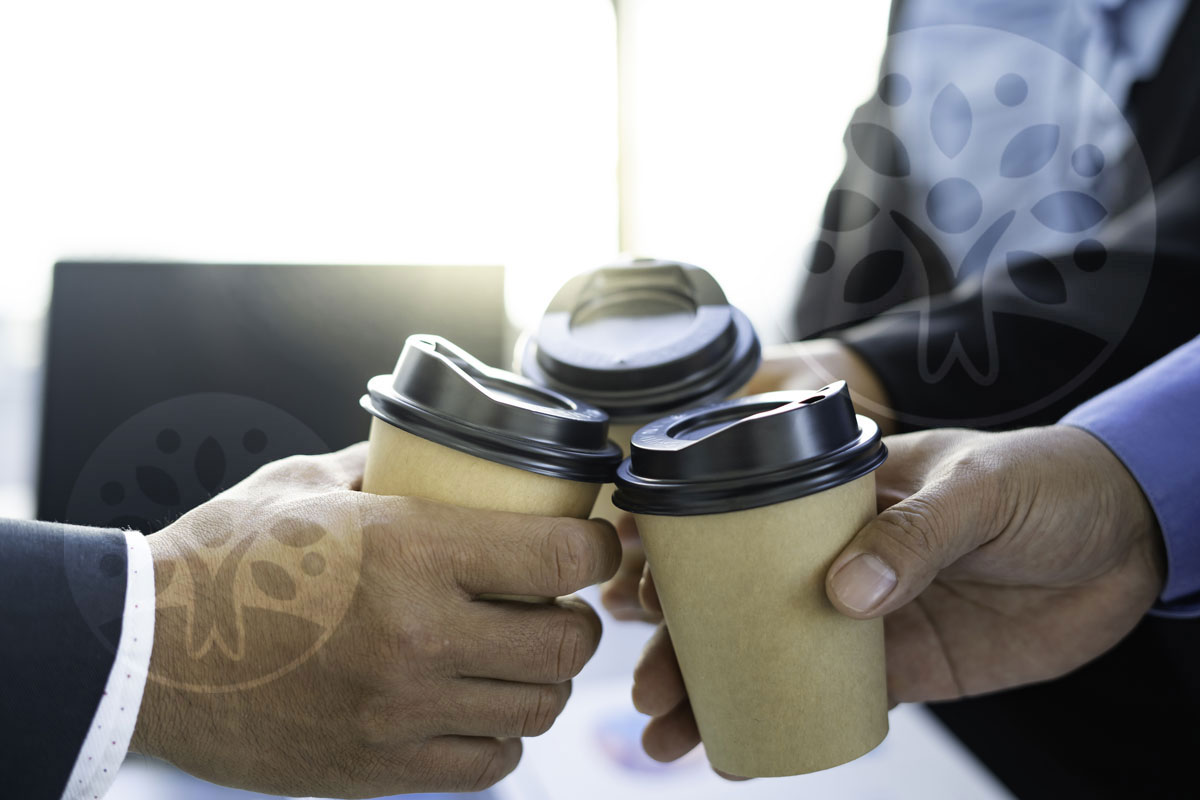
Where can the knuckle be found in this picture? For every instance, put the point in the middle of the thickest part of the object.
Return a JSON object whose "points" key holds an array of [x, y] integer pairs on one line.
{"points": [[296, 469], [402, 544], [969, 462], [490, 766], [391, 637], [975, 493], [420, 767], [547, 704], [611, 559], [971, 467], [571, 652], [566, 557], [912, 529], [392, 515], [410, 505], [374, 719], [418, 640]]}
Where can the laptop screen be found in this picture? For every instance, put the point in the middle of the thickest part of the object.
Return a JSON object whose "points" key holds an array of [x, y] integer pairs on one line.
{"points": [[166, 383]]}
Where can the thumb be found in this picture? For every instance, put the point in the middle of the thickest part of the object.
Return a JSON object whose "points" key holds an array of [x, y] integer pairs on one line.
{"points": [[897, 555]]}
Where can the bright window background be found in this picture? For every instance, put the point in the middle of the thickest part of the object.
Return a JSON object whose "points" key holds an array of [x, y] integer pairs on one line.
{"points": [[358, 131], [733, 121], [414, 131], [393, 131]]}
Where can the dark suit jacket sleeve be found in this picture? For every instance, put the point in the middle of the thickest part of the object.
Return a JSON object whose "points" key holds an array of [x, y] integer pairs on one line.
{"points": [[62, 594], [1036, 360], [1040, 370]]}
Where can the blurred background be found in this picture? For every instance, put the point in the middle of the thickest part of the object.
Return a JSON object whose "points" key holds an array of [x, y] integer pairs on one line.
{"points": [[537, 135], [527, 133]]}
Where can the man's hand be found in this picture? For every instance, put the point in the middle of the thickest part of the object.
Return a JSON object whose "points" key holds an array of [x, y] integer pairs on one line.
{"points": [[998, 560], [1017, 557], [313, 639]]}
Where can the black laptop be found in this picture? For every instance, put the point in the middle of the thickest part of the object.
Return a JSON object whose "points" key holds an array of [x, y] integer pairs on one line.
{"points": [[166, 382]]}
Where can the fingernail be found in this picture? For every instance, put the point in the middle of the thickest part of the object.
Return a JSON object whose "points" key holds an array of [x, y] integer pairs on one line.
{"points": [[864, 582]]}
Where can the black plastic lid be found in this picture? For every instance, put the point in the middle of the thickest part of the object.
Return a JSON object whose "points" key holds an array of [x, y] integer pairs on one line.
{"points": [[442, 394], [641, 339], [750, 452]]}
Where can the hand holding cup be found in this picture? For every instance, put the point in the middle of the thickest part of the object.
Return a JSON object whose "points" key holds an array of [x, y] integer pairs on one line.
{"points": [[412, 683], [742, 506], [1037, 539]]}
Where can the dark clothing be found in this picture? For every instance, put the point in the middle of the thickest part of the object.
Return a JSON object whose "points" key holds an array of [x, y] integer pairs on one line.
{"points": [[62, 594], [1125, 725]]}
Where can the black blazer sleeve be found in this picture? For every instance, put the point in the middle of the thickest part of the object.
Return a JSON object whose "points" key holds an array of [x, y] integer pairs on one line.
{"points": [[62, 595], [1041, 369]]}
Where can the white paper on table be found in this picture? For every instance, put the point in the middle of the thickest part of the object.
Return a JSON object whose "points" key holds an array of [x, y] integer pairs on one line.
{"points": [[594, 751]]}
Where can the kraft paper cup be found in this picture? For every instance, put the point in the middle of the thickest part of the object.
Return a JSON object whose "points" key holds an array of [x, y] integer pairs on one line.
{"points": [[449, 428], [742, 508], [400, 463], [603, 506]]}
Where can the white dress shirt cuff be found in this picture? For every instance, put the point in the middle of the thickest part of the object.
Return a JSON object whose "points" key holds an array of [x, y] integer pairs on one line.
{"points": [[108, 737]]}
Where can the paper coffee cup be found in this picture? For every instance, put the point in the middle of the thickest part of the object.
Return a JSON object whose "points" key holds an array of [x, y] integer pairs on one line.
{"points": [[451, 429], [400, 463], [603, 506], [742, 507], [641, 339]]}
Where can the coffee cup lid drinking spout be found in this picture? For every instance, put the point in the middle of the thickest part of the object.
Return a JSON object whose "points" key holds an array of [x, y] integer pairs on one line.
{"points": [[441, 393], [749, 452]]}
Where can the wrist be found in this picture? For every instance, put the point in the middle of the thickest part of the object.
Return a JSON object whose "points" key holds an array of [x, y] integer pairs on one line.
{"points": [[145, 739], [1122, 503]]}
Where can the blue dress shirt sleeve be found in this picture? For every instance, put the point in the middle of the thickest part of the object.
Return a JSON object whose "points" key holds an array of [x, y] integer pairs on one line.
{"points": [[1152, 423]]}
